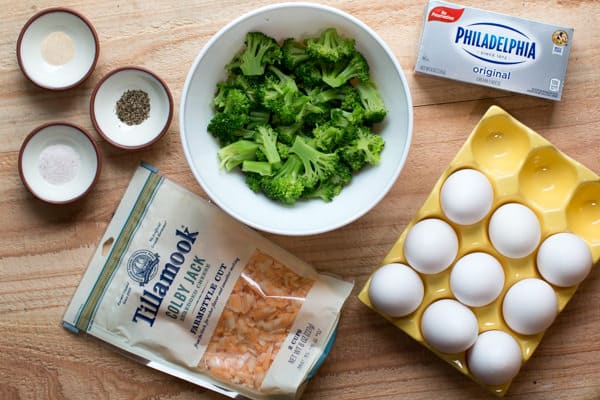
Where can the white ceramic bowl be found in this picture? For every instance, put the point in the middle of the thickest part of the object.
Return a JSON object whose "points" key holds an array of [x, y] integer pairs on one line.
{"points": [[228, 189], [59, 162], [57, 48], [109, 91]]}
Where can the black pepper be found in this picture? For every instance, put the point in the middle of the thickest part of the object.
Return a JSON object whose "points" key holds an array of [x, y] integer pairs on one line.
{"points": [[133, 107]]}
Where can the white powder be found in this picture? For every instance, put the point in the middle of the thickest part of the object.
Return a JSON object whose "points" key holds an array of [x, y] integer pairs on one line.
{"points": [[58, 48], [58, 163]]}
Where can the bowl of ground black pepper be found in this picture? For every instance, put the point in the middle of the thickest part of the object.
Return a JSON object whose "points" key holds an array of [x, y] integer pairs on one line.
{"points": [[59, 162], [131, 107]]}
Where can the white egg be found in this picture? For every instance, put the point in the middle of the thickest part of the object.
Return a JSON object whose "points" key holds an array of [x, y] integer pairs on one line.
{"points": [[449, 326], [564, 259], [477, 279], [514, 230], [530, 306], [396, 290], [431, 246], [495, 358], [466, 196]]}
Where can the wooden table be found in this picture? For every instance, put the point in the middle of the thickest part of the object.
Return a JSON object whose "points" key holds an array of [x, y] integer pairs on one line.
{"points": [[44, 249]]}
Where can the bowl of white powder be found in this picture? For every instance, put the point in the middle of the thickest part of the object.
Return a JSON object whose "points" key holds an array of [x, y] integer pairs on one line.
{"points": [[57, 48], [59, 162]]}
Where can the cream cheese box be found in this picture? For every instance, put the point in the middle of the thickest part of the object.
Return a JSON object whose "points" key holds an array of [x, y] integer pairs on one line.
{"points": [[492, 49]]}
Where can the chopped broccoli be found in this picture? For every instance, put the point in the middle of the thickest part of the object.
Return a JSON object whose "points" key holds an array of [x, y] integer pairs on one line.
{"points": [[328, 95], [365, 149], [327, 137], [308, 73], [351, 100], [258, 117], [261, 50], [251, 85], [233, 107], [235, 101], [283, 150], [266, 138], [227, 127], [296, 118], [282, 96], [337, 74], [372, 102], [263, 168], [293, 53], [254, 181], [330, 46], [236, 153], [288, 184], [317, 164], [287, 133], [347, 119], [322, 100], [331, 187]]}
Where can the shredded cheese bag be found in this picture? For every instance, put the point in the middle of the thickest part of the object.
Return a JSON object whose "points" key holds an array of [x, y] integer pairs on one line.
{"points": [[189, 291]]}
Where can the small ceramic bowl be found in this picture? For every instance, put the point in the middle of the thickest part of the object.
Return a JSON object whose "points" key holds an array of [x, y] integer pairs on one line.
{"points": [[131, 108], [59, 162], [57, 49]]}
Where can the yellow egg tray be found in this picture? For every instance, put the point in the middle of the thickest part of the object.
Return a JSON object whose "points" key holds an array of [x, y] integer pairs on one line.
{"points": [[522, 167]]}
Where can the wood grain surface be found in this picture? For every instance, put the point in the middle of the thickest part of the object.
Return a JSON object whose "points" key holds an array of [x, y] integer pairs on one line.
{"points": [[44, 249]]}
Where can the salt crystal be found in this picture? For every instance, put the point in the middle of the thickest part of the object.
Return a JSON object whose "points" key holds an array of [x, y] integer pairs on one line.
{"points": [[58, 163]]}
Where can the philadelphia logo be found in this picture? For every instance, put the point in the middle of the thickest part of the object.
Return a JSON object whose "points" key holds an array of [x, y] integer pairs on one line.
{"points": [[496, 43], [142, 266]]}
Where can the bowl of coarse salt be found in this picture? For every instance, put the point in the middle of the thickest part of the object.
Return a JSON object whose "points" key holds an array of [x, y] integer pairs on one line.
{"points": [[59, 162], [57, 48], [131, 107]]}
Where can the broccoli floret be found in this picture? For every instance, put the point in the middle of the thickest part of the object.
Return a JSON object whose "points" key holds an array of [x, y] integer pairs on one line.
{"points": [[282, 96], [329, 95], [337, 74], [331, 187], [219, 99], [283, 150], [330, 46], [287, 133], [288, 184], [263, 168], [260, 51], [266, 138], [345, 119], [365, 149], [325, 191], [327, 137], [236, 153], [254, 181], [228, 127], [249, 84], [351, 100], [312, 114], [372, 102], [229, 122], [257, 118], [322, 100], [293, 53], [235, 101], [317, 164], [308, 73]]}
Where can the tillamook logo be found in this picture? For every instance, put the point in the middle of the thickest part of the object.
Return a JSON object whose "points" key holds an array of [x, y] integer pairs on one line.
{"points": [[495, 43], [152, 298], [142, 266]]}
